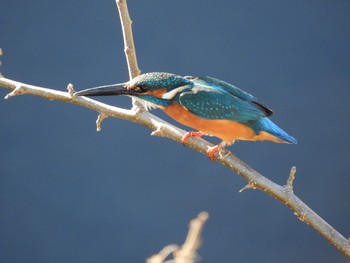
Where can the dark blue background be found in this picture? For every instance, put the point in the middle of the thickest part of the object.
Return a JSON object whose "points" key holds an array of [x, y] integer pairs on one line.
{"points": [[70, 194]]}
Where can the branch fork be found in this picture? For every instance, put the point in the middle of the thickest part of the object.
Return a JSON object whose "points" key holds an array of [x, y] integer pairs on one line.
{"points": [[19, 90]]}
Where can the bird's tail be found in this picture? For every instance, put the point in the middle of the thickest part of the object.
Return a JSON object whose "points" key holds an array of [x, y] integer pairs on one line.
{"points": [[265, 124]]}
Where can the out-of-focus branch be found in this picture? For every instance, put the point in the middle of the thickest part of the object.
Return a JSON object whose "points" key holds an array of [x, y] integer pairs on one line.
{"points": [[188, 251]]}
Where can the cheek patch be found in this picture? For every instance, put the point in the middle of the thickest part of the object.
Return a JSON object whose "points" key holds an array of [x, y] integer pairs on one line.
{"points": [[157, 93]]}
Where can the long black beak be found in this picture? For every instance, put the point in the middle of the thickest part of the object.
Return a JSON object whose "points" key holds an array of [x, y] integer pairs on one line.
{"points": [[108, 90]]}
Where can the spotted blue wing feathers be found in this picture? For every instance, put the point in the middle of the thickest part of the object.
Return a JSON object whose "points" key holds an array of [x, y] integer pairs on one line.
{"points": [[213, 104], [231, 90], [210, 98]]}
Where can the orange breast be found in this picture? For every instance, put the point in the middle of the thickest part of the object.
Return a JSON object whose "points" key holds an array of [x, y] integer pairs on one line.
{"points": [[226, 130]]}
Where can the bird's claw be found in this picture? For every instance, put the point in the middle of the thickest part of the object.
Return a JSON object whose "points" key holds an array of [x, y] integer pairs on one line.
{"points": [[212, 150], [192, 134], [217, 148]]}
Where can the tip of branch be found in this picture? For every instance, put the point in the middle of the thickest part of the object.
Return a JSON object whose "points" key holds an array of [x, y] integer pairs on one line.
{"points": [[203, 216], [99, 121]]}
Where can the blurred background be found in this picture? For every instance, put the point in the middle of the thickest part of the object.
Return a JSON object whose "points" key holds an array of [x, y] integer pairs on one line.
{"points": [[71, 194]]}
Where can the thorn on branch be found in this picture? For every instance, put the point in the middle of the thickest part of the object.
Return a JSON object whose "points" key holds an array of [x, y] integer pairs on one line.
{"points": [[301, 215], [250, 185], [159, 130], [16, 92], [291, 178], [99, 121], [70, 89]]}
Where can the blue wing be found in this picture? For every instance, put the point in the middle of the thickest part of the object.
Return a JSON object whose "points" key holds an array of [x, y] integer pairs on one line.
{"points": [[216, 102], [233, 90]]}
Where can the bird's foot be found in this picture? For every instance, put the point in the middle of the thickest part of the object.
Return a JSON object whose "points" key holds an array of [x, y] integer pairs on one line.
{"points": [[217, 148], [192, 134]]}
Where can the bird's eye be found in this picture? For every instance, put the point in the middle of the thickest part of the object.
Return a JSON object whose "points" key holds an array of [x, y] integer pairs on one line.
{"points": [[140, 89]]}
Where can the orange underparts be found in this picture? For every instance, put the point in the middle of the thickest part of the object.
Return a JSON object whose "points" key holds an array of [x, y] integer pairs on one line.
{"points": [[226, 130]]}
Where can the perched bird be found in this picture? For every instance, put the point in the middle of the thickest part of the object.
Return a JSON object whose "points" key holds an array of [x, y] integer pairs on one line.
{"points": [[211, 106]]}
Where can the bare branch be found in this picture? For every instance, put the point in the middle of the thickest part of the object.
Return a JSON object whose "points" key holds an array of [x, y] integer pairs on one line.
{"points": [[291, 179], [129, 47], [230, 160]]}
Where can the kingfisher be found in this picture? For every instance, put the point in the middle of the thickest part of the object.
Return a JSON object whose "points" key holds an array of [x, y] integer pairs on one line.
{"points": [[208, 105]]}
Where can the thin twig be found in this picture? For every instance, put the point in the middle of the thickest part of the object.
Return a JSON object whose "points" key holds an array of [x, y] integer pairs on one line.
{"points": [[129, 47], [291, 179]]}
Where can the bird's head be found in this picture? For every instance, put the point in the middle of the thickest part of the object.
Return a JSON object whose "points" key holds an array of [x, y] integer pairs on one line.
{"points": [[158, 88]]}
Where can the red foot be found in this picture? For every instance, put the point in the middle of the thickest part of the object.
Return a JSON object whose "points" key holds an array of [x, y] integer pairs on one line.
{"points": [[212, 150], [191, 134]]}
